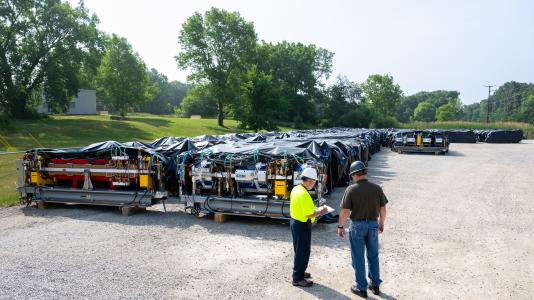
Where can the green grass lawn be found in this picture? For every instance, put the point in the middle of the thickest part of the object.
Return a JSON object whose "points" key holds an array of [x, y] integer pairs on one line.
{"points": [[528, 129], [75, 131], [8, 195]]}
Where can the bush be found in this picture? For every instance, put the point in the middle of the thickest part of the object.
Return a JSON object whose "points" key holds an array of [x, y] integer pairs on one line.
{"points": [[298, 123], [384, 122], [356, 118], [446, 112], [4, 121], [425, 112], [199, 102]]}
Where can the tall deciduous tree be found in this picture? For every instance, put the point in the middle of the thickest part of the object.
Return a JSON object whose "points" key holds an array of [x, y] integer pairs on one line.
{"points": [[123, 81], [168, 96], [199, 101], [527, 109], [299, 70], [425, 112], [259, 100], [43, 44], [447, 112], [382, 94], [214, 46], [343, 105]]}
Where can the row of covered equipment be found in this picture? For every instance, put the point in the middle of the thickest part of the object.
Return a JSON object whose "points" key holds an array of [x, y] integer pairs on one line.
{"points": [[437, 141], [427, 141], [246, 174], [509, 136]]}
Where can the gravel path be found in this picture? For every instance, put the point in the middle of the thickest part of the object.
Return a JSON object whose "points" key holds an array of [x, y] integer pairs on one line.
{"points": [[459, 226]]}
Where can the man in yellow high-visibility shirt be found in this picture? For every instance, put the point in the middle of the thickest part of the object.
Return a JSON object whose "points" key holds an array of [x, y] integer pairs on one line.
{"points": [[303, 213]]}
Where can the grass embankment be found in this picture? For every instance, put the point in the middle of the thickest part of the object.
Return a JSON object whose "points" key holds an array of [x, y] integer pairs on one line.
{"points": [[528, 129], [76, 131]]}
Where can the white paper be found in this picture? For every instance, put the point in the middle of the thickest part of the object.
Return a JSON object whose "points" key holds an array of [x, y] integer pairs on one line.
{"points": [[328, 209]]}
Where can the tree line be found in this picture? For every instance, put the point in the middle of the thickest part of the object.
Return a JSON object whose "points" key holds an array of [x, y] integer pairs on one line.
{"points": [[49, 50]]}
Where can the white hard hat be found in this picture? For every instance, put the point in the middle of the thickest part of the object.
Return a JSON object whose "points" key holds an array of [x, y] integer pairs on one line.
{"points": [[310, 173]]}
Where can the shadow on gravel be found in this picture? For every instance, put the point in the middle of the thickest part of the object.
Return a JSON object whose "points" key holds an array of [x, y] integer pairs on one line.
{"points": [[450, 153], [454, 153], [379, 170], [250, 227], [323, 292]]}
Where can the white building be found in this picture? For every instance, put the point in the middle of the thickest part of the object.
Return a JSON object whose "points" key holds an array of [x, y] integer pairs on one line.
{"points": [[83, 104]]}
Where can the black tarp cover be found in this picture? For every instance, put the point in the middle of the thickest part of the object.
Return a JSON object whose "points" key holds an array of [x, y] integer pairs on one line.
{"points": [[504, 136]]}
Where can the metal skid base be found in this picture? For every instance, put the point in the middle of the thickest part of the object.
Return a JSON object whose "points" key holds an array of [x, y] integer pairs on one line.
{"points": [[92, 197], [254, 207], [414, 149]]}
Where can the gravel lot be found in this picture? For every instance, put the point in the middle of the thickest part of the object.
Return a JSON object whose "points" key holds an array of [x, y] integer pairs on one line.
{"points": [[459, 226]]}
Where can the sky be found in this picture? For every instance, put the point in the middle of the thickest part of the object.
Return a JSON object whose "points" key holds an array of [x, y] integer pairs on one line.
{"points": [[425, 45]]}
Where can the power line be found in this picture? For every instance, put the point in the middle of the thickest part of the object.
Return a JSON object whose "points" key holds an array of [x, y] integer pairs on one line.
{"points": [[488, 104]]}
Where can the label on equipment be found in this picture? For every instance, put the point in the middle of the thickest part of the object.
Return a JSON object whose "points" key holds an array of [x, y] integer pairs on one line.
{"points": [[125, 157], [439, 140], [411, 139], [426, 140]]}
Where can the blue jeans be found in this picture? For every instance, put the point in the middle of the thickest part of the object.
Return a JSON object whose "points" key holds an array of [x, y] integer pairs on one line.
{"points": [[363, 236], [301, 233]]}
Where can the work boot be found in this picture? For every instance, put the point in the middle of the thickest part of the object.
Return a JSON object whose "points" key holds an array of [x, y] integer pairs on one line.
{"points": [[375, 289], [307, 275], [356, 291], [303, 283]]}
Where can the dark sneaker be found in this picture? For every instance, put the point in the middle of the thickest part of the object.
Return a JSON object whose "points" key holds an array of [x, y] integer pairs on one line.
{"points": [[307, 275], [375, 289], [303, 283], [356, 291]]}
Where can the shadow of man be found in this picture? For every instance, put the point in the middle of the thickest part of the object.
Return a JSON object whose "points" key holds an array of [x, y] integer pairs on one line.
{"points": [[323, 292]]}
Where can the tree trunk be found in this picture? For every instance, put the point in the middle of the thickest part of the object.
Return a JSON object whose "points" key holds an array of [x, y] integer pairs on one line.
{"points": [[221, 113], [17, 104]]}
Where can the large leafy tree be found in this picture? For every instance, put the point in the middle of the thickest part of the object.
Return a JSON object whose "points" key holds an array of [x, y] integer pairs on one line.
{"points": [[382, 94], [447, 112], [527, 109], [343, 105], [123, 81], [168, 95], [199, 101], [425, 112], [43, 45], [215, 46], [259, 100], [298, 69]]}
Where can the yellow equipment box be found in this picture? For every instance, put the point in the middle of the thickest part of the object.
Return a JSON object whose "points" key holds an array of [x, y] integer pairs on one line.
{"points": [[35, 177], [143, 181], [280, 188], [419, 140]]}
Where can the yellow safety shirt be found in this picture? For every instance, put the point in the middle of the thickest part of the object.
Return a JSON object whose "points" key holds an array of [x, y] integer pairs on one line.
{"points": [[301, 204]]}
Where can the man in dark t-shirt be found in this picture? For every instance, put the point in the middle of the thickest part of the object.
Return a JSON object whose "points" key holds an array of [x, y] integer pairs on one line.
{"points": [[364, 202]]}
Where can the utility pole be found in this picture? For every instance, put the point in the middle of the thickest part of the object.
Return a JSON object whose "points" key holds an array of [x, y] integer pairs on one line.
{"points": [[488, 104]]}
